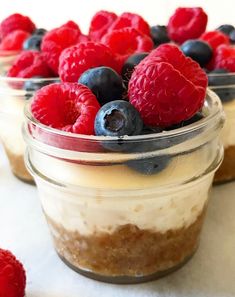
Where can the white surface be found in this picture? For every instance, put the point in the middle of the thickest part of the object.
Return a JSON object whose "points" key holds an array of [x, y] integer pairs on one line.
{"points": [[155, 11], [211, 273]]}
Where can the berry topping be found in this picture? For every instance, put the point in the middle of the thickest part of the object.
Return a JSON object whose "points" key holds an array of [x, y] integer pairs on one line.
{"points": [[197, 117], [226, 29], [72, 25], [56, 40], [71, 107], [130, 64], [187, 23], [163, 84], [224, 58], [40, 31], [16, 22], [215, 38], [33, 43], [12, 276], [131, 20], [127, 41], [118, 118], [198, 50], [29, 64], [232, 37], [104, 82], [100, 24], [79, 58], [159, 35], [14, 40]]}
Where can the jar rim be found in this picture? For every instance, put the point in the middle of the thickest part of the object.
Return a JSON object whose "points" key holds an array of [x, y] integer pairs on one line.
{"points": [[212, 104]]}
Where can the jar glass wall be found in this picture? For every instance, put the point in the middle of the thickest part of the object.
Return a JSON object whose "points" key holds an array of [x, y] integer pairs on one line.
{"points": [[131, 209]]}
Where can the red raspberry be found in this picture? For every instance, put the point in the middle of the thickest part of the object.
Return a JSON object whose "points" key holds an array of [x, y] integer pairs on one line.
{"points": [[12, 276], [127, 41], [72, 25], [79, 58], [132, 20], [100, 24], [56, 40], [215, 39], [14, 40], [29, 64], [187, 23], [16, 22], [224, 58], [167, 87], [71, 107]]}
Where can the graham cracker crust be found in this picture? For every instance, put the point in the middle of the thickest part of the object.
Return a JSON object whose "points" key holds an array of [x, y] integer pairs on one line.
{"points": [[128, 252], [226, 171], [18, 167]]}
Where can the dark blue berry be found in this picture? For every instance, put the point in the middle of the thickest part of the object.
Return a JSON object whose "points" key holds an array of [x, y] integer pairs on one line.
{"points": [[159, 35], [130, 64], [40, 31], [226, 29], [104, 82], [198, 50], [33, 43], [232, 37], [222, 83], [118, 118], [35, 83], [149, 166]]}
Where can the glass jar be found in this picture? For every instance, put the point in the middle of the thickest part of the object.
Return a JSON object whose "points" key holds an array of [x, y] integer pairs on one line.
{"points": [[223, 84], [14, 92], [130, 209]]}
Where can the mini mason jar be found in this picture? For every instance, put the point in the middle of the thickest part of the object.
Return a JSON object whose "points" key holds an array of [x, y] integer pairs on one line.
{"points": [[14, 92], [223, 84], [129, 209]]}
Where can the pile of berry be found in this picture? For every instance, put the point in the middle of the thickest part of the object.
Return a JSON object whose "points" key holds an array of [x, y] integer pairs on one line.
{"points": [[124, 75]]}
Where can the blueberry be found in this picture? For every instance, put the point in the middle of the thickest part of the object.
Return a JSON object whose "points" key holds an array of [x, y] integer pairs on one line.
{"points": [[130, 64], [149, 166], [40, 31], [104, 82], [118, 118], [197, 117], [226, 29], [31, 86], [159, 35], [198, 50], [232, 37], [33, 43]]}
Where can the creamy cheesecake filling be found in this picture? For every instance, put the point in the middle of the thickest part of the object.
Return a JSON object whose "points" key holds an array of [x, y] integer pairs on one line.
{"points": [[228, 131]]}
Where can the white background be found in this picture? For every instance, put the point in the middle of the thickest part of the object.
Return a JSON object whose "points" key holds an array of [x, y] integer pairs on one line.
{"points": [[51, 13]]}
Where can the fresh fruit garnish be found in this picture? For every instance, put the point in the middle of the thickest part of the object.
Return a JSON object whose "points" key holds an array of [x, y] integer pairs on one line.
{"points": [[104, 82], [12, 275], [167, 87], [131, 20], [36, 83], [29, 64], [232, 37], [224, 57], [118, 118], [14, 40], [70, 107], [226, 29], [33, 43], [159, 35], [127, 41], [187, 23], [198, 50], [39, 31], [100, 24], [130, 65], [14, 22], [77, 59], [215, 39], [56, 40]]}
